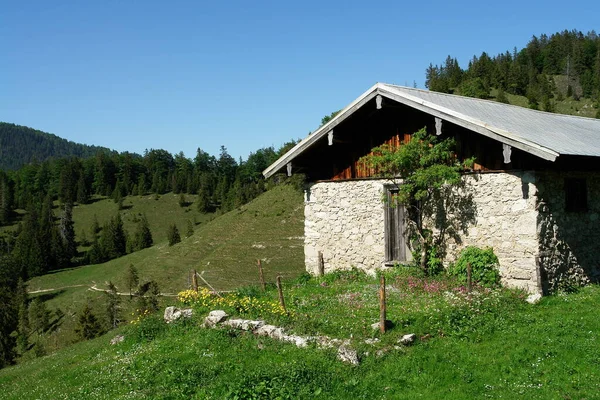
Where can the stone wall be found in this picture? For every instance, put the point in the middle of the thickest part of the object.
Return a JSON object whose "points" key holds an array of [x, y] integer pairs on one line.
{"points": [[506, 218], [345, 221], [569, 253]]}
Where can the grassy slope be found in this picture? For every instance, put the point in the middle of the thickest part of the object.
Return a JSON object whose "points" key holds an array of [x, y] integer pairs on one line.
{"points": [[225, 248], [581, 108], [545, 351]]}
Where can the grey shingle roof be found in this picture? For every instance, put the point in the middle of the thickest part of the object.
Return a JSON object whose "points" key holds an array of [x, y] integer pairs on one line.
{"points": [[564, 134], [540, 133]]}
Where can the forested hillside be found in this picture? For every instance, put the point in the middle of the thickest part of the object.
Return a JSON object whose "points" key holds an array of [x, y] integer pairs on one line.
{"points": [[20, 145], [549, 70], [42, 244]]}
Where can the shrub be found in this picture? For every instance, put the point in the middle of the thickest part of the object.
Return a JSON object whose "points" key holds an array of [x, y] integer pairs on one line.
{"points": [[484, 266]]}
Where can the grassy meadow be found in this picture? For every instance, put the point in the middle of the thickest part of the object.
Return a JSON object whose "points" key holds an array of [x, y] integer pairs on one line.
{"points": [[224, 249], [486, 344]]}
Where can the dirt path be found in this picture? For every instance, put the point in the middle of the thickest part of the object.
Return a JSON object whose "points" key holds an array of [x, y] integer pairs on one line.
{"points": [[53, 289], [92, 288]]}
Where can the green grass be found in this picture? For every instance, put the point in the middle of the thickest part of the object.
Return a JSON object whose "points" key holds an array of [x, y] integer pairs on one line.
{"points": [[489, 345], [224, 250], [161, 211], [581, 108]]}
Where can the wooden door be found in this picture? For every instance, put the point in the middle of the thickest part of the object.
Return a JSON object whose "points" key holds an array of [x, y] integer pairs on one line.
{"points": [[395, 242]]}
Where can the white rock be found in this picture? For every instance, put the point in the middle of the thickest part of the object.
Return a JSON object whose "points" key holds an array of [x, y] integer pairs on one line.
{"points": [[117, 339], [265, 330], [408, 339], [215, 317], [372, 341], [347, 355], [174, 313], [299, 341], [533, 298]]}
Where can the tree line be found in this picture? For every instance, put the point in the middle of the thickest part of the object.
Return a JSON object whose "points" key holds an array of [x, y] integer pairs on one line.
{"points": [[20, 145], [44, 242], [527, 72]]}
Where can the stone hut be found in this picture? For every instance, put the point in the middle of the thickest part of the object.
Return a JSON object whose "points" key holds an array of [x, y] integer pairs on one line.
{"points": [[535, 185]]}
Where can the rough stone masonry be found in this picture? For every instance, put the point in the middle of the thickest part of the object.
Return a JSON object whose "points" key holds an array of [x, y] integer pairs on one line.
{"points": [[345, 221]]}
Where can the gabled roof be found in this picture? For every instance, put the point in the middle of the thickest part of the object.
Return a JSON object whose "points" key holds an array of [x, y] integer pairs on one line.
{"points": [[543, 134]]}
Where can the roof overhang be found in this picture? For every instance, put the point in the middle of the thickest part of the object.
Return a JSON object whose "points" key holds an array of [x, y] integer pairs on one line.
{"points": [[433, 109]]}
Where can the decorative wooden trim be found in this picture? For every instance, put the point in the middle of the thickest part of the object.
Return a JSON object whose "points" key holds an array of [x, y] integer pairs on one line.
{"points": [[438, 126]]}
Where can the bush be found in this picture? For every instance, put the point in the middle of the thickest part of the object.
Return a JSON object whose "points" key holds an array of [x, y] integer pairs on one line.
{"points": [[484, 266]]}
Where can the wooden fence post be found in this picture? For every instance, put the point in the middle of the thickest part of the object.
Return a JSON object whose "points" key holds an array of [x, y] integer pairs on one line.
{"points": [[469, 278], [194, 280], [321, 264], [261, 275], [382, 305], [280, 290]]}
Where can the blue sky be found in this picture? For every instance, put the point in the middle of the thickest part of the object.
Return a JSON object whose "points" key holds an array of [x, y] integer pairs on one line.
{"points": [[135, 75]]}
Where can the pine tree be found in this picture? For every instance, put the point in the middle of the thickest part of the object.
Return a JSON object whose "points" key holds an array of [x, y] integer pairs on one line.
{"points": [[88, 326], [143, 235], [173, 235], [147, 297], [131, 279], [113, 309], [95, 228], [9, 310], [67, 233], [5, 199], [82, 193], [23, 328], [39, 316], [203, 201], [113, 239], [190, 228]]}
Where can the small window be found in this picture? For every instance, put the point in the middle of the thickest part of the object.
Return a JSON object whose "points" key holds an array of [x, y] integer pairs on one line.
{"points": [[575, 194]]}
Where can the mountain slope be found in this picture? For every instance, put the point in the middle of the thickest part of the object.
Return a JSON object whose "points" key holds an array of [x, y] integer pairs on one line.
{"points": [[20, 145]]}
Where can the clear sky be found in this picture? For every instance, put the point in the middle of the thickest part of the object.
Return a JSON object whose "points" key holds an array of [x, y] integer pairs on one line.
{"points": [[178, 75]]}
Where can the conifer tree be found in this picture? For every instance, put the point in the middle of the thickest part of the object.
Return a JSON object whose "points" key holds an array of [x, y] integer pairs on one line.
{"points": [[131, 279], [88, 326], [23, 328], [67, 232], [9, 310], [173, 235], [113, 309], [39, 316], [190, 228], [143, 235]]}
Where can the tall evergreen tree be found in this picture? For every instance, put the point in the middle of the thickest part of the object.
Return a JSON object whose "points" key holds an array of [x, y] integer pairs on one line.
{"points": [[88, 326], [173, 235], [9, 274], [132, 279], [143, 235], [67, 233], [113, 308]]}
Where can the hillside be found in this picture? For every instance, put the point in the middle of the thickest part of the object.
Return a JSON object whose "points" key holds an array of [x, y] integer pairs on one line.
{"points": [[224, 250], [20, 145], [556, 73]]}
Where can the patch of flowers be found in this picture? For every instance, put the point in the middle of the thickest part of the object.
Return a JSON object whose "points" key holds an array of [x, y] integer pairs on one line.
{"points": [[242, 304], [138, 315]]}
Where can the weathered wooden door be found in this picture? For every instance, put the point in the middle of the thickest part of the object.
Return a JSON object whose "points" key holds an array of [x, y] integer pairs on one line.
{"points": [[395, 242]]}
